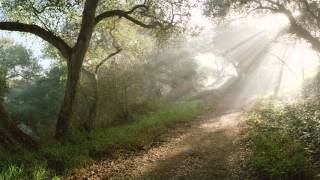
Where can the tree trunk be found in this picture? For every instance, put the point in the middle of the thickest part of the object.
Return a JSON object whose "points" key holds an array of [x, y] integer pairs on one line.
{"points": [[278, 83], [94, 106], [301, 32], [74, 68], [94, 77], [11, 137], [66, 111]]}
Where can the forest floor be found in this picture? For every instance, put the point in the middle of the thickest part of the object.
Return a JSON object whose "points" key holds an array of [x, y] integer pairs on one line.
{"points": [[208, 148]]}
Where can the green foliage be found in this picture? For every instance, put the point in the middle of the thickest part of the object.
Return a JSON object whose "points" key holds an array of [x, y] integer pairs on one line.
{"points": [[15, 62], [284, 142], [124, 93], [40, 173], [36, 104], [174, 73], [34, 172], [62, 158], [56, 158], [11, 172], [146, 128], [64, 16]]}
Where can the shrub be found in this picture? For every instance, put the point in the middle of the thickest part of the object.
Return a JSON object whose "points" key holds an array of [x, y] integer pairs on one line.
{"points": [[278, 148]]}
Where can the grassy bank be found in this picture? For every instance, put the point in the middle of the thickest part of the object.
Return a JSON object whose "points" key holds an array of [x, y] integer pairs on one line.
{"points": [[283, 142], [52, 161]]}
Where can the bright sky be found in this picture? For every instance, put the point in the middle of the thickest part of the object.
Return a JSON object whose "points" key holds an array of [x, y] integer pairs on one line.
{"points": [[198, 19], [35, 43], [31, 42]]}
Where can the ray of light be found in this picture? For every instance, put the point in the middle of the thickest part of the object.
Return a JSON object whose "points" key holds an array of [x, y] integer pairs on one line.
{"points": [[274, 68]]}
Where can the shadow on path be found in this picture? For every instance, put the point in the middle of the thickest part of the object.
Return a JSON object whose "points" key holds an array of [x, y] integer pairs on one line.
{"points": [[209, 149]]}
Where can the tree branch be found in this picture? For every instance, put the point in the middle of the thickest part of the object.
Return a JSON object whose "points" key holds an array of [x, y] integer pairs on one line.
{"points": [[283, 62], [126, 14], [267, 8], [300, 31], [297, 29], [106, 59], [46, 35], [262, 7], [316, 17]]}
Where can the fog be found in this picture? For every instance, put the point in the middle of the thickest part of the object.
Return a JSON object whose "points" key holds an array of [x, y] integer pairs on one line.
{"points": [[258, 50]]}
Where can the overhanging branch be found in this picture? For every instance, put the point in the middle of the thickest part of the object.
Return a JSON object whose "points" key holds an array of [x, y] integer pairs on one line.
{"points": [[126, 15], [295, 28], [46, 35], [300, 31]]}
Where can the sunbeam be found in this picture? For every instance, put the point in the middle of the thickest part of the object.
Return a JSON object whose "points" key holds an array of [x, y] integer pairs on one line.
{"points": [[255, 50]]}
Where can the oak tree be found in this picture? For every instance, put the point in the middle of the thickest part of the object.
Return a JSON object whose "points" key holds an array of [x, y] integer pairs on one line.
{"points": [[50, 20]]}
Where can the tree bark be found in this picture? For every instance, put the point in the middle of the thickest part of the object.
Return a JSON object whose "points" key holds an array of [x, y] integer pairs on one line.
{"points": [[74, 69], [93, 109], [11, 137], [66, 111], [92, 101], [301, 31]]}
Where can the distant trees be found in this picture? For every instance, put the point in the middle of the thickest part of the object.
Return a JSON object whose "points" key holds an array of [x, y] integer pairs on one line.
{"points": [[175, 73], [94, 77], [115, 42], [129, 74], [133, 85], [69, 26], [16, 63], [36, 103]]}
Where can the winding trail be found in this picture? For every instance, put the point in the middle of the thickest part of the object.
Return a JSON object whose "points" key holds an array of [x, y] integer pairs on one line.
{"points": [[209, 148]]}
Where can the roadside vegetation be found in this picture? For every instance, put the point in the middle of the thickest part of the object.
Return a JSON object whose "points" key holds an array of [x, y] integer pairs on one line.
{"points": [[284, 139], [55, 159]]}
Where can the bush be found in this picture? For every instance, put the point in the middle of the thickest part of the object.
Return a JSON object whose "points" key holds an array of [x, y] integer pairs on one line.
{"points": [[278, 145]]}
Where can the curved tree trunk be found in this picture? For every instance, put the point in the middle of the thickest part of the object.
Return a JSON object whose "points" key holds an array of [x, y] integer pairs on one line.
{"points": [[301, 31], [11, 137]]}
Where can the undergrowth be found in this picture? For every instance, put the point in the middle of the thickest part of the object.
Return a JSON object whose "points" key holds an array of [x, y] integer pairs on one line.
{"points": [[284, 141], [60, 159]]}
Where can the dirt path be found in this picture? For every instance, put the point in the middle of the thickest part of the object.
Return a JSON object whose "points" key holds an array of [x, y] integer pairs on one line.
{"points": [[209, 149]]}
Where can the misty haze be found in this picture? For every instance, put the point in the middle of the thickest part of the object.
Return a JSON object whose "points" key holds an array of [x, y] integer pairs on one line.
{"points": [[159, 89]]}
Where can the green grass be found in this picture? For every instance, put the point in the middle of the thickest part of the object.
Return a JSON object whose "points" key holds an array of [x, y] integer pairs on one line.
{"points": [[56, 158]]}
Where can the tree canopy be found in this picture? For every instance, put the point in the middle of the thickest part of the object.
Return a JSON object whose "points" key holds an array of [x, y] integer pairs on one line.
{"points": [[70, 25], [16, 62]]}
